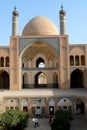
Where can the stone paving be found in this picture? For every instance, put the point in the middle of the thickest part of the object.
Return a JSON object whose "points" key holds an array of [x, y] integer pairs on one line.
{"points": [[79, 123], [43, 125]]}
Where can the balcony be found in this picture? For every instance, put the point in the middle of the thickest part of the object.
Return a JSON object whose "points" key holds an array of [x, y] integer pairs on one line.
{"points": [[46, 68], [34, 86]]}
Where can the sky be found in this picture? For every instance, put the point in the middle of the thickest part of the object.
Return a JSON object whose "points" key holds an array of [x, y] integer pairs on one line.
{"points": [[76, 17]]}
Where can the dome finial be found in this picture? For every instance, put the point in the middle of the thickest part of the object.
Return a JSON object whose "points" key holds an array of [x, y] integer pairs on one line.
{"points": [[15, 12], [61, 6], [15, 8]]}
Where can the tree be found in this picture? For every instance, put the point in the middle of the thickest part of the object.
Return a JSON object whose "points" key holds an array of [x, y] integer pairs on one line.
{"points": [[62, 120], [14, 119]]}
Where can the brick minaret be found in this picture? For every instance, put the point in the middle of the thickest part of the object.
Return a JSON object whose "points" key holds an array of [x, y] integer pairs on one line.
{"points": [[15, 22], [62, 15]]}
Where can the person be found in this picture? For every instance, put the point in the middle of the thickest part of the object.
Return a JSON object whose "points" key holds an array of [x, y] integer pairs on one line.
{"points": [[52, 125], [50, 119], [36, 122]]}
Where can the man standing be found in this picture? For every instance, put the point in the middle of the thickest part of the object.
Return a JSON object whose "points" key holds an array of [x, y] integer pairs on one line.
{"points": [[36, 122]]}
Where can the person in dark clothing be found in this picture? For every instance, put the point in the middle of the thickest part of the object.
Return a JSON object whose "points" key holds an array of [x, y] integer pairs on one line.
{"points": [[50, 119]]}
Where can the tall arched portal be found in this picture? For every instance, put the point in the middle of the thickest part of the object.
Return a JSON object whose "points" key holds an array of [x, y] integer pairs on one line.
{"points": [[39, 60], [40, 80], [4, 80], [76, 79]]}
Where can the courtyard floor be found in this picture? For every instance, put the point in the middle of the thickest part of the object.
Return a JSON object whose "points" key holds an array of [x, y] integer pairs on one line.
{"points": [[79, 123]]}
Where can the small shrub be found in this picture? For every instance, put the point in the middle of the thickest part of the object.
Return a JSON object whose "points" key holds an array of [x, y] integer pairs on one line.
{"points": [[14, 119]]}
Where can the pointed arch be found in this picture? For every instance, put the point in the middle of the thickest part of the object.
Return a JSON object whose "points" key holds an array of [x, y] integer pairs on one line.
{"points": [[50, 63], [40, 80], [2, 62], [82, 60], [40, 62], [25, 80], [76, 60], [40, 58], [4, 80], [7, 61], [76, 79], [55, 80], [71, 60], [80, 107]]}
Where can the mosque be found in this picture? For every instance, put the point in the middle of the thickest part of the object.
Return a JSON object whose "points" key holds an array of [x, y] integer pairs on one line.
{"points": [[40, 71]]}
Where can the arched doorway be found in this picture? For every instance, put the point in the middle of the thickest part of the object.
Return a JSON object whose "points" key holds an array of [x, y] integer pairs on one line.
{"points": [[55, 80], [76, 79], [4, 80], [80, 108], [51, 106], [25, 80], [40, 80]]}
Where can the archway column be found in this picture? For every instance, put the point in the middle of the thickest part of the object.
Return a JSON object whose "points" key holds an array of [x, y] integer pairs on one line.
{"points": [[29, 104], [47, 105], [56, 103], [86, 109], [20, 104], [74, 107]]}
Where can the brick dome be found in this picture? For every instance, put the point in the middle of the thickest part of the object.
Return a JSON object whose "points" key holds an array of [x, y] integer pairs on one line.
{"points": [[40, 25]]}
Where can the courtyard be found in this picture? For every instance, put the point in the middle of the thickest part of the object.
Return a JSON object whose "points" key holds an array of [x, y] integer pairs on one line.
{"points": [[79, 123]]}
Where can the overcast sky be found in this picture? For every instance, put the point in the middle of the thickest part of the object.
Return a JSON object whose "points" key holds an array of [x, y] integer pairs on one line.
{"points": [[76, 19]]}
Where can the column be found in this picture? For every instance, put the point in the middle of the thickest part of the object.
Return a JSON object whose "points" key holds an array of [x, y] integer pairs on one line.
{"points": [[56, 104], [20, 104], [29, 105], [47, 105]]}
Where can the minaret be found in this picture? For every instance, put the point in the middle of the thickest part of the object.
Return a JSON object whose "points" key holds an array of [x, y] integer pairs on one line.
{"points": [[62, 15], [15, 22]]}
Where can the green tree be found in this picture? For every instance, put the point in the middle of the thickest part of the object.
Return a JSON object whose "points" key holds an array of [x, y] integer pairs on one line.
{"points": [[14, 119], [62, 120]]}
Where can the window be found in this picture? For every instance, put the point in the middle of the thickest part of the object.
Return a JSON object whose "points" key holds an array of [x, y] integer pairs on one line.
{"points": [[71, 60], [65, 108], [2, 61], [22, 65], [76, 60], [7, 61], [11, 108], [40, 63], [82, 60]]}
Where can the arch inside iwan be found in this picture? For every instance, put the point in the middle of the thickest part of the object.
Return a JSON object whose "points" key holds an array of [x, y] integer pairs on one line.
{"points": [[4, 80], [40, 61]]}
